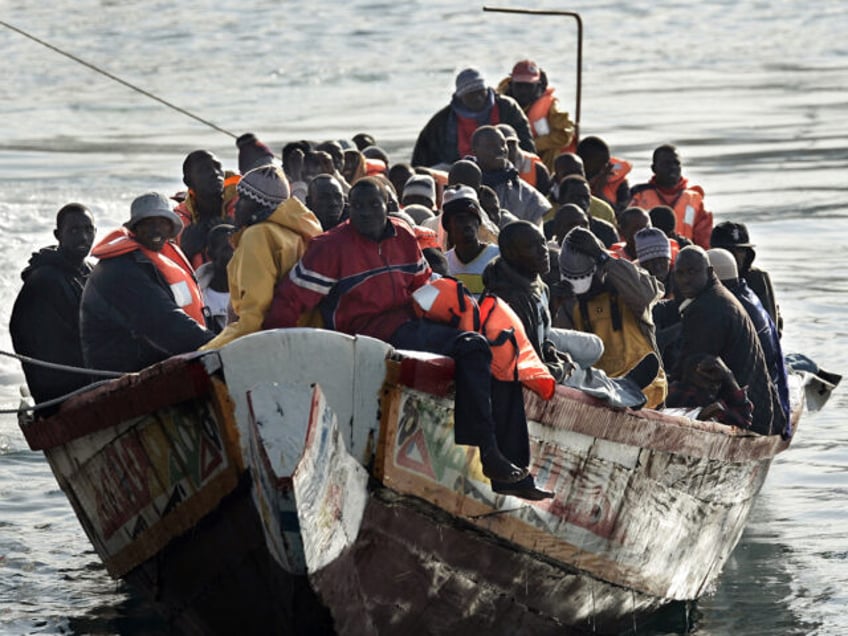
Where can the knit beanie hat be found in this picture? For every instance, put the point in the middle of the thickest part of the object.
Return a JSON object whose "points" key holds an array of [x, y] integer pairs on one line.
{"points": [[252, 153], [422, 185], [456, 199], [468, 81], [574, 265], [723, 264], [267, 186], [651, 243]]}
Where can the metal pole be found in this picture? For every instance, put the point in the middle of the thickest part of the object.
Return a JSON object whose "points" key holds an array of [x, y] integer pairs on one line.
{"points": [[570, 14]]}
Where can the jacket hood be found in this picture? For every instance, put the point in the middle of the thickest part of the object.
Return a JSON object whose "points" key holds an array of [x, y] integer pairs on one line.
{"points": [[51, 257], [292, 215]]}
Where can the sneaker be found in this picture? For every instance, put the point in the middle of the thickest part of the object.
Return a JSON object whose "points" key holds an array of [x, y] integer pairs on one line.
{"points": [[525, 489]]}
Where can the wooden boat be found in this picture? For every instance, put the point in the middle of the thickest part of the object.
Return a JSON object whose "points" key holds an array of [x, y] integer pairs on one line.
{"points": [[304, 481]]}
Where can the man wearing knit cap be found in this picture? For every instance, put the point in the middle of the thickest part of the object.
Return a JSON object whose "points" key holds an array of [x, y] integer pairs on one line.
{"points": [[447, 136], [724, 266], [553, 131], [461, 219], [274, 230], [419, 189], [653, 253], [141, 303], [252, 153], [715, 323], [612, 298]]}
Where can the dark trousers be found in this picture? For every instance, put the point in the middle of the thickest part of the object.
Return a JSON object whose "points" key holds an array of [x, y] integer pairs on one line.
{"points": [[486, 410]]}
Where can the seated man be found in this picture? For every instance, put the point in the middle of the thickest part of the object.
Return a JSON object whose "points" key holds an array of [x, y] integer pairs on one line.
{"points": [[45, 317], [516, 195], [141, 304], [212, 277], [325, 198], [530, 166], [653, 254], [612, 298], [606, 174], [447, 136], [361, 276], [668, 187], [515, 276], [707, 382], [714, 322], [724, 266], [575, 189], [630, 221], [461, 218], [274, 229]]}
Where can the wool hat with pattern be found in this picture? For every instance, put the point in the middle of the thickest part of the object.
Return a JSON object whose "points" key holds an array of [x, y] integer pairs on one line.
{"points": [[267, 186], [651, 243], [573, 264], [468, 81]]}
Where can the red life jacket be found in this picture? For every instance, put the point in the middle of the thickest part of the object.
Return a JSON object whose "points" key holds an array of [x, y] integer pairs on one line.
{"points": [[465, 127], [170, 262]]}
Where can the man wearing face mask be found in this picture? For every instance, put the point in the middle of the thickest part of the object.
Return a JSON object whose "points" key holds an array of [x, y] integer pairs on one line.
{"points": [[612, 298], [141, 303]]}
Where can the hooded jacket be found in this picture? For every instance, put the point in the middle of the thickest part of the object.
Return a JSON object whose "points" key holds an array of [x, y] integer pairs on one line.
{"points": [[45, 322], [129, 315], [264, 254]]}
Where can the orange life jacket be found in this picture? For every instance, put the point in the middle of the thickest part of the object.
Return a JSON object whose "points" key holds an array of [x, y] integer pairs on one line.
{"points": [[170, 262], [513, 355], [374, 167], [448, 301], [687, 205], [605, 185], [525, 163], [426, 238]]}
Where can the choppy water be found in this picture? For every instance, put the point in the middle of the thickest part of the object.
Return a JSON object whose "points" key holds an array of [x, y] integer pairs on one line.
{"points": [[754, 94]]}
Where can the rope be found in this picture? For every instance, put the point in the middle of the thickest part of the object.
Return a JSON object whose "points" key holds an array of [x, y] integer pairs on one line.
{"points": [[116, 78], [54, 401], [61, 367]]}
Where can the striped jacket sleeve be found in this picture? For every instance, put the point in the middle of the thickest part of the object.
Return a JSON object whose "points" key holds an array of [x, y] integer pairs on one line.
{"points": [[299, 292]]}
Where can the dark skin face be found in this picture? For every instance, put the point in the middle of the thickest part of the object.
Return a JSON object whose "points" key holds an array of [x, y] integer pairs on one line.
{"points": [[691, 272], [631, 224], [525, 93], [666, 168], [576, 192], [527, 251], [75, 235], [658, 267], [368, 211], [489, 146], [206, 177], [475, 101], [566, 164], [244, 210], [567, 218], [326, 199], [462, 231], [153, 232]]}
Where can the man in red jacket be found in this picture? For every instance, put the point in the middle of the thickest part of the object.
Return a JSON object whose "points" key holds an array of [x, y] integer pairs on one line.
{"points": [[361, 276]]}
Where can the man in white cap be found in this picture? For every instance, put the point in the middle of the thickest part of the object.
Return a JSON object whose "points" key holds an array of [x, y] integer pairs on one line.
{"points": [[447, 136], [274, 230], [141, 303], [461, 219]]}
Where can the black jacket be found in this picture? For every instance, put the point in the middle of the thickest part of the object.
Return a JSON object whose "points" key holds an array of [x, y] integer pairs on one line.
{"points": [[129, 318], [437, 141], [45, 322], [716, 323]]}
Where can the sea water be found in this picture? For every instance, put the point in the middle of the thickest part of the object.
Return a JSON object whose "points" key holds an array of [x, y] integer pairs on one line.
{"points": [[753, 94]]}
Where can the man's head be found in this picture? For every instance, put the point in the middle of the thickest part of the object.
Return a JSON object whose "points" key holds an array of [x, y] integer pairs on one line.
{"points": [[526, 82], [471, 89], [363, 140], [631, 221], [724, 265], [575, 189], [260, 192], [461, 215], [218, 246], [511, 141], [595, 154], [204, 175], [567, 163], [653, 251], [662, 217], [369, 212], [399, 174], [75, 231], [524, 248], [575, 266], [325, 197], [152, 222], [489, 147], [666, 166], [420, 189], [568, 217], [335, 150], [734, 238], [465, 172], [691, 271]]}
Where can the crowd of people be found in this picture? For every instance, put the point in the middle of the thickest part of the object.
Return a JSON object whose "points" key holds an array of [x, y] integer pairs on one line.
{"points": [[524, 255]]}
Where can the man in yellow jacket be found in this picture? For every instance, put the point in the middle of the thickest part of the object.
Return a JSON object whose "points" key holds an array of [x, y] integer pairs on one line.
{"points": [[275, 229]]}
